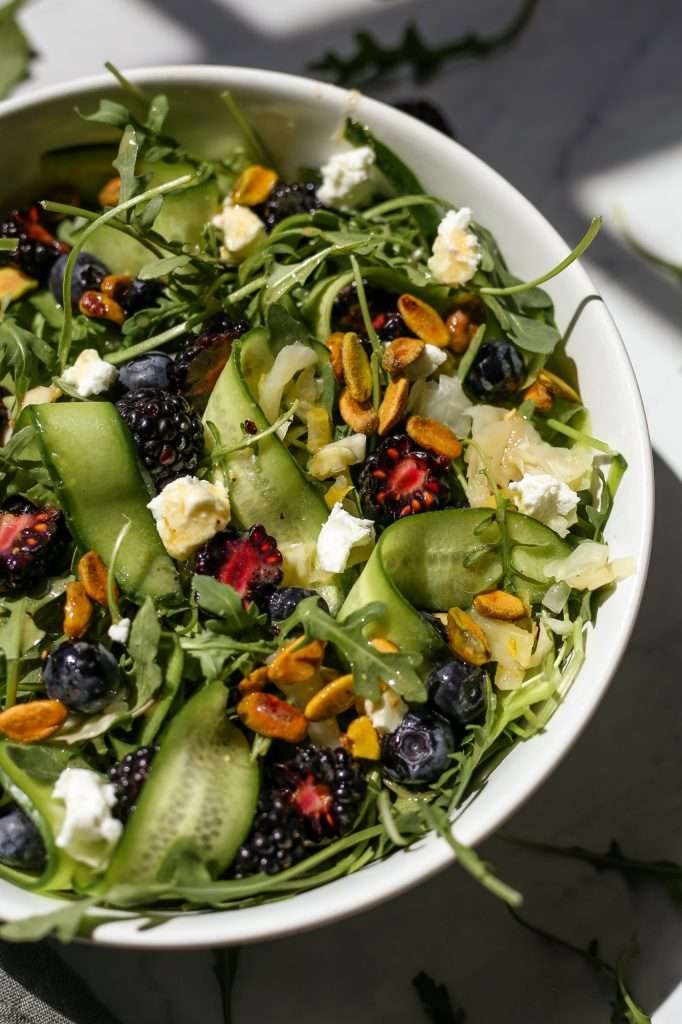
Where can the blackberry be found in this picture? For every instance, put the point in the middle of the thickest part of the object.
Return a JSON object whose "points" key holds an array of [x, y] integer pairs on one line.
{"points": [[167, 432], [30, 542], [386, 320], [287, 199], [128, 778], [400, 479], [325, 787], [201, 361], [275, 842], [250, 562], [390, 325], [38, 248]]}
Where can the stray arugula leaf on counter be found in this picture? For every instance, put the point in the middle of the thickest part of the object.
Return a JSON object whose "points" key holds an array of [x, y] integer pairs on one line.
{"points": [[435, 1000], [372, 61], [15, 49], [624, 1009], [225, 964]]}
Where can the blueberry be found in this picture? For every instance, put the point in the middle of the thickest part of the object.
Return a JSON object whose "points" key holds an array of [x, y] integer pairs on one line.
{"points": [[21, 845], [284, 602], [81, 675], [152, 370], [419, 750], [140, 295], [497, 371], [457, 690], [87, 274]]}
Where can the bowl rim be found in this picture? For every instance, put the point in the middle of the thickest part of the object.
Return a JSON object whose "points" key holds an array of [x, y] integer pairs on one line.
{"points": [[427, 859]]}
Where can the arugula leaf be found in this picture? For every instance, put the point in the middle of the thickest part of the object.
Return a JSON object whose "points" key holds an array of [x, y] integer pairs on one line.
{"points": [[372, 61], [435, 1001], [124, 163], [143, 645], [64, 923], [164, 266], [18, 635], [223, 600], [15, 49], [398, 174], [225, 963], [369, 667], [43, 763]]}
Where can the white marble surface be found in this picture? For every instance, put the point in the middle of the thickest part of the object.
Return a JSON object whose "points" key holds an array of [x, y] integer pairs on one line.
{"points": [[583, 115]]}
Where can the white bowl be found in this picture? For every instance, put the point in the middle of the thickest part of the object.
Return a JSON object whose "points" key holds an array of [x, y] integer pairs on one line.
{"points": [[299, 119]]}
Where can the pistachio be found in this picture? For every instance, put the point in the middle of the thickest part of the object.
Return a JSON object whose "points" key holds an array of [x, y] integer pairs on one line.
{"points": [[335, 343], [393, 404], [423, 319], [14, 283], [499, 604], [541, 396], [33, 721], [362, 739], [296, 664], [466, 638], [559, 386], [434, 436], [360, 416], [333, 699], [255, 681], [113, 284], [77, 610], [93, 574], [462, 329], [110, 193], [271, 716], [253, 186], [384, 646], [401, 353], [99, 306], [356, 369]]}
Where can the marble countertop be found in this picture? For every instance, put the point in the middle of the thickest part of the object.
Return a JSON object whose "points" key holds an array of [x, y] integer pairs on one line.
{"points": [[581, 114]]}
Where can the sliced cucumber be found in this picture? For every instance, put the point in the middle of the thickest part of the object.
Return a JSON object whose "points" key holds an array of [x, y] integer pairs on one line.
{"points": [[91, 458], [441, 560], [267, 487], [198, 802], [34, 796]]}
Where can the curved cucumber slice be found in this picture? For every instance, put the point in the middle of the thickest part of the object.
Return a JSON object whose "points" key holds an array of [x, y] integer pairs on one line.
{"points": [[182, 218], [440, 560], [34, 795], [267, 487], [198, 802], [85, 168], [91, 458]]}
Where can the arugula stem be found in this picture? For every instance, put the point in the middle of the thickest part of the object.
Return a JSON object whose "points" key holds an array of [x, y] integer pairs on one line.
{"points": [[584, 243], [400, 203], [166, 696], [377, 351], [579, 435], [13, 652], [125, 229], [252, 439], [387, 819], [9, 244], [124, 354], [104, 218], [253, 142]]}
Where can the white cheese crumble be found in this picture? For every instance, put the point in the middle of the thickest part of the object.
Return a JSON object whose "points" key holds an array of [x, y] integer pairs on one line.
{"points": [[431, 358], [89, 831], [119, 631], [388, 712], [334, 458], [188, 512], [339, 535], [545, 498], [241, 228], [456, 252], [90, 375], [347, 178]]}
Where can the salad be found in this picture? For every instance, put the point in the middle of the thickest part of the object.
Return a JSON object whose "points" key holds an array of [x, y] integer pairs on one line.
{"points": [[301, 519]]}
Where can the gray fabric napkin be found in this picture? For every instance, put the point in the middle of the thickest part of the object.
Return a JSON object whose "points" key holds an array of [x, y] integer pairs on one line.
{"points": [[37, 987]]}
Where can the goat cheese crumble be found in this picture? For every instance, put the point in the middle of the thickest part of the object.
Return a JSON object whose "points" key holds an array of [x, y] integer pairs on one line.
{"points": [[90, 375], [545, 498], [241, 228], [347, 177], [456, 252], [119, 631], [188, 512], [89, 831], [339, 535], [388, 712]]}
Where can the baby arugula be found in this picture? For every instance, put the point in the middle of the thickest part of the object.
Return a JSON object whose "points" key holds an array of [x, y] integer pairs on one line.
{"points": [[15, 49]]}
